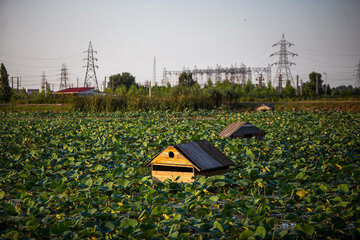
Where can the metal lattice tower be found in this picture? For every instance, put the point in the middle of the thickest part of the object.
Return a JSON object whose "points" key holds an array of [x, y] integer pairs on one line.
{"points": [[90, 68], [43, 81], [154, 72], [283, 63], [64, 77], [357, 80]]}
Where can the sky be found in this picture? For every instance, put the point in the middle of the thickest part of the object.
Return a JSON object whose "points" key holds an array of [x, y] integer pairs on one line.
{"points": [[39, 36]]}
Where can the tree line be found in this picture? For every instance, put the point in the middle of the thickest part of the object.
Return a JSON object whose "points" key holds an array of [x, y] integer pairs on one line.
{"points": [[123, 93]]}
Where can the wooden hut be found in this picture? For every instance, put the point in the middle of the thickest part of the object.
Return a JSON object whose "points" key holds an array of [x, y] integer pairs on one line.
{"points": [[265, 107], [242, 130], [182, 162]]}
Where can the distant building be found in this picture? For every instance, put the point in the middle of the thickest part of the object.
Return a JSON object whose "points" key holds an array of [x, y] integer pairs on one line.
{"points": [[32, 91], [76, 91]]}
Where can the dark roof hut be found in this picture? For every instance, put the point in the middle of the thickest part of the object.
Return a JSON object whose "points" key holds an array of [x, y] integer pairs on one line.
{"points": [[182, 162], [265, 107], [242, 130]]}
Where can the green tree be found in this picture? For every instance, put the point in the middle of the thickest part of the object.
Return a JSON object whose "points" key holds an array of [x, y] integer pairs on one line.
{"points": [[5, 90], [288, 91], [186, 80], [117, 80], [209, 83], [312, 86], [308, 90], [248, 87]]}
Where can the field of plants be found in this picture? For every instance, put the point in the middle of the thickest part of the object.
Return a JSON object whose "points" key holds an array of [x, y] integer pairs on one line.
{"points": [[78, 175]]}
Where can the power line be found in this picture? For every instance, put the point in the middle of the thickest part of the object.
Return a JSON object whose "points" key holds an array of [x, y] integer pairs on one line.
{"points": [[327, 54], [14, 55]]}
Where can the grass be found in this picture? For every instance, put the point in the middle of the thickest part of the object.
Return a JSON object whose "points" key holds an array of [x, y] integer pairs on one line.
{"points": [[314, 105]]}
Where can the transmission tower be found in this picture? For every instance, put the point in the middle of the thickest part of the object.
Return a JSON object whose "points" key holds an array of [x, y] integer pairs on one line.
{"points": [[90, 68], [357, 81], [43, 81], [64, 77], [283, 68]]}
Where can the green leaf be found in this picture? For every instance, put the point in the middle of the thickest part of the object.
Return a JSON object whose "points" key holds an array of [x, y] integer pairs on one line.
{"points": [[13, 235], [124, 183], [109, 185], [87, 181], [260, 232], [250, 154], [218, 226], [109, 226], [214, 198], [305, 228], [343, 187], [278, 151], [159, 210], [59, 227], [92, 211], [32, 224], [174, 234], [302, 176], [2, 194], [291, 217], [283, 233], [129, 222], [245, 235]]}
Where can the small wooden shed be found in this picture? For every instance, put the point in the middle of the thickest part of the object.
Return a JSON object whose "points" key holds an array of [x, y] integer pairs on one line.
{"points": [[242, 130], [186, 160], [265, 107]]}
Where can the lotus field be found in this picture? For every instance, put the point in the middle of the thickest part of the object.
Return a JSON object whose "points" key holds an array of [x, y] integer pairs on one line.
{"points": [[78, 175]]}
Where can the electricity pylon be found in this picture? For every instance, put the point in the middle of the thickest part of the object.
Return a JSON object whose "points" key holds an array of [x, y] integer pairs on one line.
{"points": [[63, 77], [90, 68], [357, 80], [43, 81], [283, 69]]}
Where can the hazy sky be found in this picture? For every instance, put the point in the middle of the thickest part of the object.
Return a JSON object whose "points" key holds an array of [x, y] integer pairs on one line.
{"points": [[40, 35]]}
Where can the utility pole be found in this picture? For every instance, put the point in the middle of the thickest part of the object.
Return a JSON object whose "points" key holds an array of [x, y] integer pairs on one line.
{"points": [[301, 86], [104, 84], [17, 83], [150, 89], [90, 67], [154, 71], [283, 63], [260, 81], [325, 83], [46, 88], [297, 85], [317, 84], [77, 82]]}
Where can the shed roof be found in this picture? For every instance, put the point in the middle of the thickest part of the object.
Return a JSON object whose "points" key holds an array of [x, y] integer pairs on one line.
{"points": [[75, 90], [240, 128], [203, 155], [266, 106]]}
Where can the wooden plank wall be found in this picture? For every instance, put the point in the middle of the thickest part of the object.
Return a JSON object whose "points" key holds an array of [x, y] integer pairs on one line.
{"points": [[178, 159], [159, 176]]}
